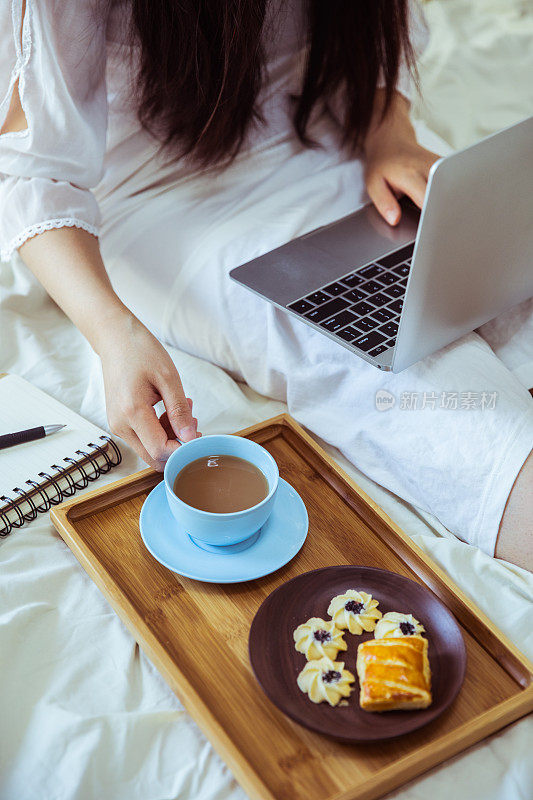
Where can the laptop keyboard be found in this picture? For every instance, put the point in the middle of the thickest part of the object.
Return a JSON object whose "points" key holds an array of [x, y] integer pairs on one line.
{"points": [[364, 307]]}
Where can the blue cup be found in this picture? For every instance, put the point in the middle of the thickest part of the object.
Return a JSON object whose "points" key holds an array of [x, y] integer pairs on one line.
{"points": [[208, 529]]}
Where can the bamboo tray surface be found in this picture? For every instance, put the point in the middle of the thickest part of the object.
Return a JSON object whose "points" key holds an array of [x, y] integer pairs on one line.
{"points": [[196, 634]]}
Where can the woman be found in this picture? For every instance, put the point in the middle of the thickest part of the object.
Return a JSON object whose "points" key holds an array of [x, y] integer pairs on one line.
{"points": [[190, 137]]}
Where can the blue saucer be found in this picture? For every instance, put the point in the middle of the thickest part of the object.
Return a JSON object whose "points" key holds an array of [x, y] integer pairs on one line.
{"points": [[280, 538]]}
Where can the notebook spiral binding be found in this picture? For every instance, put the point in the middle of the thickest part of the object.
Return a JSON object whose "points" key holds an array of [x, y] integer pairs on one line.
{"points": [[48, 498]]}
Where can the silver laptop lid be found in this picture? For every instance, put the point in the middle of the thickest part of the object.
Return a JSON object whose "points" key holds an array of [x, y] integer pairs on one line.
{"points": [[474, 252]]}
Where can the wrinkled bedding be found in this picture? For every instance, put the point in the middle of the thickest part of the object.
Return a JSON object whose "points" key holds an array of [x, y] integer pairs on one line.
{"points": [[84, 714]]}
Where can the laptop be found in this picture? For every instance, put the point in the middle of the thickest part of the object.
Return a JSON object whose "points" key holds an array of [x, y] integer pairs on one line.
{"points": [[393, 295]]}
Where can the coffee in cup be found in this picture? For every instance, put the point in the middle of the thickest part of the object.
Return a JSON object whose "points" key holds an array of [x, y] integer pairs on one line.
{"points": [[218, 528], [221, 484]]}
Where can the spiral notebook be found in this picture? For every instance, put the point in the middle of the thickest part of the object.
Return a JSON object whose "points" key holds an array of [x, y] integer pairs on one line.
{"points": [[37, 475]]}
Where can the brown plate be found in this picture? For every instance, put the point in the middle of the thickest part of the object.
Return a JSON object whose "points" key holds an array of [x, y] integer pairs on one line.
{"points": [[276, 663]]}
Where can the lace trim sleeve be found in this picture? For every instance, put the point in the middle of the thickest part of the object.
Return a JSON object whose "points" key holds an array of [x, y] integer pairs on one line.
{"points": [[41, 227]]}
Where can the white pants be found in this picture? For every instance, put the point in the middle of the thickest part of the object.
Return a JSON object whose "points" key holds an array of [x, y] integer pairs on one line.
{"points": [[462, 423]]}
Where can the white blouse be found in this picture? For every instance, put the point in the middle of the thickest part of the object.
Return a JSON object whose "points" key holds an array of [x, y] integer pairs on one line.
{"points": [[83, 139]]}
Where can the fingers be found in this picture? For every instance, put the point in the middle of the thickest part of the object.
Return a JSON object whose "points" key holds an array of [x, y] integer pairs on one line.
{"points": [[133, 416], [164, 421], [383, 192], [167, 427], [178, 408], [414, 185], [152, 435], [152, 439], [430, 159], [383, 198], [131, 439], [392, 178]]}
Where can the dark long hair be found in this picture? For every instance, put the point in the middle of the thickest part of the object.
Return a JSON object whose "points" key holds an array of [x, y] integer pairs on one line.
{"points": [[202, 65]]}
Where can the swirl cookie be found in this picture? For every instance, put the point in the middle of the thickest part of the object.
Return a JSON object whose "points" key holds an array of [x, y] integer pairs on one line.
{"points": [[325, 680], [317, 638], [356, 611], [393, 624]]}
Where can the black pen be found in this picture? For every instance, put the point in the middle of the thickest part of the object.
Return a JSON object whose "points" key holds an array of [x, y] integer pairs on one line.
{"points": [[30, 435]]}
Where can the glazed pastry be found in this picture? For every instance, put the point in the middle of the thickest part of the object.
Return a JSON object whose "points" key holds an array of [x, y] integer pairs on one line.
{"points": [[394, 624], [317, 638], [324, 679], [356, 611], [394, 674]]}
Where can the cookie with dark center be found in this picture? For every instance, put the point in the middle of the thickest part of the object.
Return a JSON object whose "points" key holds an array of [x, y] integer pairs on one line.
{"points": [[331, 675], [354, 607], [407, 628], [322, 636]]}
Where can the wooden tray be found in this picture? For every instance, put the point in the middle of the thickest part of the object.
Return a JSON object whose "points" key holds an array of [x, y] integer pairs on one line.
{"points": [[197, 634]]}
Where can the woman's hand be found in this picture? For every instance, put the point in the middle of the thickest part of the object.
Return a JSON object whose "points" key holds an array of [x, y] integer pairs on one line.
{"points": [[395, 164], [138, 372]]}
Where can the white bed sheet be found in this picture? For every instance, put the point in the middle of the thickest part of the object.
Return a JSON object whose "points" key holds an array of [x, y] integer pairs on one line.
{"points": [[84, 715]]}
